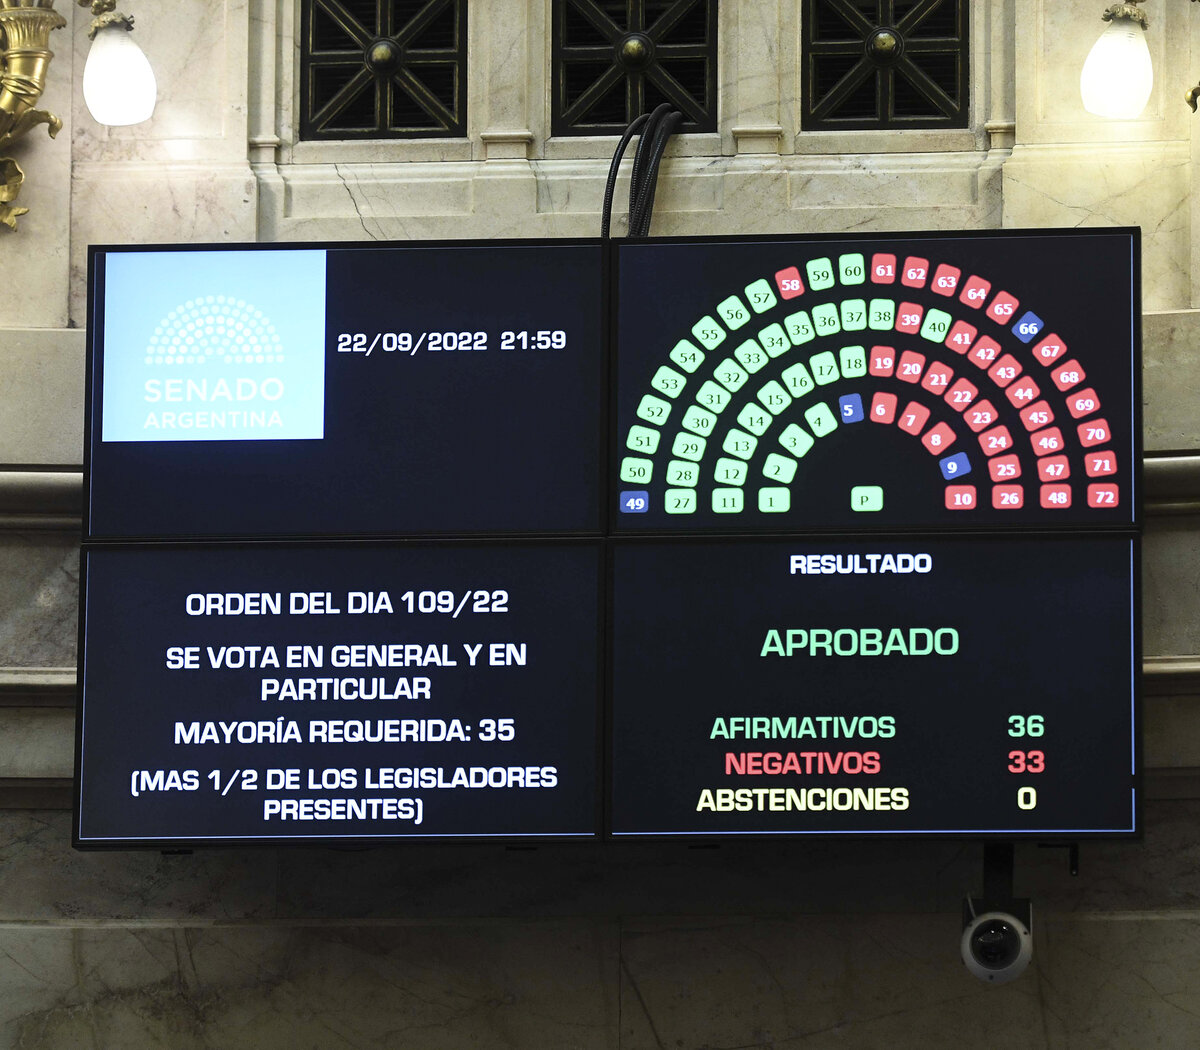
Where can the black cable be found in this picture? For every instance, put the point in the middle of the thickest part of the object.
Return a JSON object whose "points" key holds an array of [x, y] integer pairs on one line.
{"points": [[610, 187], [637, 177], [654, 130], [642, 211]]}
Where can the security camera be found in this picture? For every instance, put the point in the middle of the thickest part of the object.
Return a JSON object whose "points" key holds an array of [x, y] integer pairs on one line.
{"points": [[996, 946]]}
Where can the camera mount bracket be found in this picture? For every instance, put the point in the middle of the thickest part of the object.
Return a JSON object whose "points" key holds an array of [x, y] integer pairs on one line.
{"points": [[998, 866]]}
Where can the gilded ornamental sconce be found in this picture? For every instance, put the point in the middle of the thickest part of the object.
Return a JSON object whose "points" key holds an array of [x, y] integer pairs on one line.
{"points": [[25, 27]]}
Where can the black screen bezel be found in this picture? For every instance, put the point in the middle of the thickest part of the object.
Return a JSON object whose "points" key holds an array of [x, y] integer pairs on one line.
{"points": [[608, 536]]}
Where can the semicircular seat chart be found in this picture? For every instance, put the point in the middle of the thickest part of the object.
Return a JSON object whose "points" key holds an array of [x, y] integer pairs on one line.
{"points": [[887, 386]]}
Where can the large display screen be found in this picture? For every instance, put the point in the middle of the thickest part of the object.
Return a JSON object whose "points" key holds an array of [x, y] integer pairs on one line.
{"points": [[951, 381], [240, 693], [532, 541], [373, 390], [877, 686]]}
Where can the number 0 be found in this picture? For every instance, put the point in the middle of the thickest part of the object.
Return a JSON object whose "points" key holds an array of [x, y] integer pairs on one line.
{"points": [[1027, 797]]}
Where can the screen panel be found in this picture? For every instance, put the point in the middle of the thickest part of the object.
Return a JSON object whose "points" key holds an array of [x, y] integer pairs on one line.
{"points": [[459, 422], [949, 381], [365, 390], [241, 694], [874, 687]]}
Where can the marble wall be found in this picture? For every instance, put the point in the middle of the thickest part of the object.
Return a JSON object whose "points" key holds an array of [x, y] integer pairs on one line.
{"points": [[656, 947], [642, 948]]}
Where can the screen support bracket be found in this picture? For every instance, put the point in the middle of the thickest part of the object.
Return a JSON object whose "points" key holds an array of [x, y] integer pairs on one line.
{"points": [[1072, 849]]}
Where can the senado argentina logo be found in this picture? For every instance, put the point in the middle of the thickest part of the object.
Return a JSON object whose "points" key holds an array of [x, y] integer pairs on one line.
{"points": [[217, 329], [226, 334], [214, 345]]}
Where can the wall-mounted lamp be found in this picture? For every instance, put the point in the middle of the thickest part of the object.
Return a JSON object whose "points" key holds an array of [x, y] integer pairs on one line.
{"points": [[118, 84], [1117, 76]]}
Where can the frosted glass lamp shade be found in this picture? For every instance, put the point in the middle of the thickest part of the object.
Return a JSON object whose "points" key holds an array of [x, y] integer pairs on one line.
{"points": [[118, 83], [1117, 76]]}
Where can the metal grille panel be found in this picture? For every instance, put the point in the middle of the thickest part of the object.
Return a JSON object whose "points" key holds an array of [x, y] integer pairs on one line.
{"points": [[616, 59], [884, 64], [383, 69]]}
